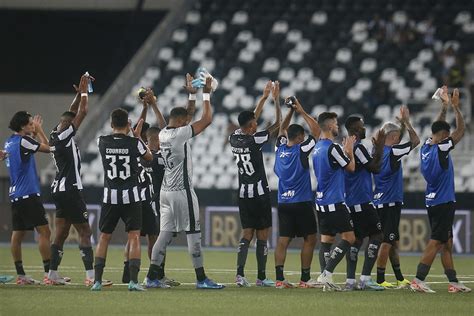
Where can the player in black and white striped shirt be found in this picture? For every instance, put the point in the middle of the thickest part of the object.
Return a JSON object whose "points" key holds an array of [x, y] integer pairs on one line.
{"points": [[66, 189], [254, 198], [122, 199]]}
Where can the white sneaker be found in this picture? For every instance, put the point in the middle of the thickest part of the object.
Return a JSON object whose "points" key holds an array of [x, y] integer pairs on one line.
{"points": [[328, 283], [241, 281], [456, 287], [420, 286]]}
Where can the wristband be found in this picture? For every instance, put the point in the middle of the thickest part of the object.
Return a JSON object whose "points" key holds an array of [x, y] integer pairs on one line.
{"points": [[206, 97], [84, 94], [192, 97]]}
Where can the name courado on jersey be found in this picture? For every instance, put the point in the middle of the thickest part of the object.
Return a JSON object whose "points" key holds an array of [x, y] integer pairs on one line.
{"points": [[123, 151]]}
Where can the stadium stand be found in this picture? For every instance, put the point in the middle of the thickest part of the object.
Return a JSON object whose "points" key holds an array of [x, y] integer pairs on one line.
{"points": [[381, 55]]}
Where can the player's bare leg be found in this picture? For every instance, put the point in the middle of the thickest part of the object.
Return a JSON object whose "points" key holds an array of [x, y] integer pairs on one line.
{"points": [[62, 232], [100, 255], [262, 252], [134, 256], [16, 240], [395, 261], [382, 262], [85, 248], [44, 245], [307, 251], [280, 257], [247, 236]]}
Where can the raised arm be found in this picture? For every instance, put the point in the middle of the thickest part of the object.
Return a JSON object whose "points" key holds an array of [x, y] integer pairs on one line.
{"points": [[83, 104], [206, 117], [378, 142], [191, 108], [266, 92], [286, 122], [41, 136], [273, 129], [444, 104], [405, 121], [458, 133], [312, 124]]}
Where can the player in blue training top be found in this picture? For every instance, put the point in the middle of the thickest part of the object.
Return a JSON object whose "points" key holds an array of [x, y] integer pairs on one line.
{"points": [[359, 195], [295, 196], [27, 209], [388, 194], [438, 171], [329, 161]]}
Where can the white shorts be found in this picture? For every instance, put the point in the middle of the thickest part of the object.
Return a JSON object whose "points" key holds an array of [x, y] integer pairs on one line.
{"points": [[179, 211]]}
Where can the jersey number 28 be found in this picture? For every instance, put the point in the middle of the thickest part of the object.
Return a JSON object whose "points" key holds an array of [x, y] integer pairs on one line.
{"points": [[112, 171], [244, 164]]}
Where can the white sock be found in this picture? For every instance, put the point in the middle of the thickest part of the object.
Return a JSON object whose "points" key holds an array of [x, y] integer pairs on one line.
{"points": [[365, 278], [350, 281], [90, 274], [329, 274]]}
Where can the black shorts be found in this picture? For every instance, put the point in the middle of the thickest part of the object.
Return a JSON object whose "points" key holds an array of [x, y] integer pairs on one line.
{"points": [[366, 220], [28, 213], [70, 205], [131, 215], [390, 219], [256, 212], [150, 220], [441, 221], [333, 222], [296, 219]]}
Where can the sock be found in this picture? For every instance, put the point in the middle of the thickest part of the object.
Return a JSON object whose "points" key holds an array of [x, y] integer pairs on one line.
{"points": [[200, 274], [99, 268], [159, 248], [134, 265], [371, 253], [126, 272], [422, 271], [155, 272], [279, 273], [305, 274], [324, 252], [350, 281], [87, 256], [242, 255], [364, 278], [451, 274], [351, 259], [380, 275], [337, 254], [262, 252], [90, 274], [53, 274], [19, 268], [56, 254], [46, 264], [398, 272]]}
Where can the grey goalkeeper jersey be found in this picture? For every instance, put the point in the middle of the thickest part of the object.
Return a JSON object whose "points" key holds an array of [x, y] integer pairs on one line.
{"points": [[176, 154]]}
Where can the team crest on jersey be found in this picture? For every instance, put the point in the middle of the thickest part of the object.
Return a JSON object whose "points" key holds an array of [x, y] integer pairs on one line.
{"points": [[391, 236], [85, 214], [379, 226]]}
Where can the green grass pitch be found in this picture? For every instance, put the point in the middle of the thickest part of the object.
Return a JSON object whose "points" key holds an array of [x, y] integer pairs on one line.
{"points": [[76, 299]]}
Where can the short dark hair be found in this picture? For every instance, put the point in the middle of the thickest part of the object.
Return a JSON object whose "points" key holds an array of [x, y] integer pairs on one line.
{"points": [[69, 114], [245, 117], [295, 130], [145, 127], [152, 131], [351, 120], [19, 119], [178, 112], [326, 116], [440, 126], [119, 118]]}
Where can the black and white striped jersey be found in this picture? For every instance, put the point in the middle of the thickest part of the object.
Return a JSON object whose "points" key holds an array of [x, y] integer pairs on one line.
{"points": [[156, 169], [120, 155], [67, 158], [247, 151], [145, 180]]}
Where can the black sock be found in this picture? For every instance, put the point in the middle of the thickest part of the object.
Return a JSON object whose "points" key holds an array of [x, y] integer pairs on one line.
{"points": [[324, 252], [351, 259], [46, 264], [19, 268], [305, 274], [398, 272], [200, 274], [380, 275], [126, 272], [56, 254], [371, 253], [451, 274], [99, 268], [279, 273], [337, 254], [154, 272], [87, 256], [422, 271], [242, 255], [262, 252], [134, 266]]}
